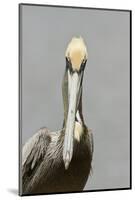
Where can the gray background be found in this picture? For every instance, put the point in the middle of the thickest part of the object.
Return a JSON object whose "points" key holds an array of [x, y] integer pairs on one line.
{"points": [[46, 32]]}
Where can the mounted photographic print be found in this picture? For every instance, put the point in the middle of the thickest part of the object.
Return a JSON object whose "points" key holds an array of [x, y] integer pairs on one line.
{"points": [[74, 99]]}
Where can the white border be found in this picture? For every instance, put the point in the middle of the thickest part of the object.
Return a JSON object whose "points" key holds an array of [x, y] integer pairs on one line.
{"points": [[9, 97]]}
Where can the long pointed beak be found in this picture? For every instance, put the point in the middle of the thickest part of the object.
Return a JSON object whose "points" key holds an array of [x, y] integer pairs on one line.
{"points": [[74, 87]]}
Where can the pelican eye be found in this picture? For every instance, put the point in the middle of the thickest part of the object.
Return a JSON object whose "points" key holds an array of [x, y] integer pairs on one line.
{"points": [[84, 60], [68, 64], [68, 59], [83, 64]]}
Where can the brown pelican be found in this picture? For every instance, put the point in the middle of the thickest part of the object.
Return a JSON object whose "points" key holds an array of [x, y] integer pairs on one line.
{"points": [[61, 161]]}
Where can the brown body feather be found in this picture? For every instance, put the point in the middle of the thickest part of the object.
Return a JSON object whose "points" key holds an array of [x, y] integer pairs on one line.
{"points": [[47, 173]]}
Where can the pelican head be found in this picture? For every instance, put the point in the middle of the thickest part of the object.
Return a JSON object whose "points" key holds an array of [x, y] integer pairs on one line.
{"points": [[76, 58]]}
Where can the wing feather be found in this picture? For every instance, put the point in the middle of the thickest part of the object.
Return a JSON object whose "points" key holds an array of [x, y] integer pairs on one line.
{"points": [[33, 153]]}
